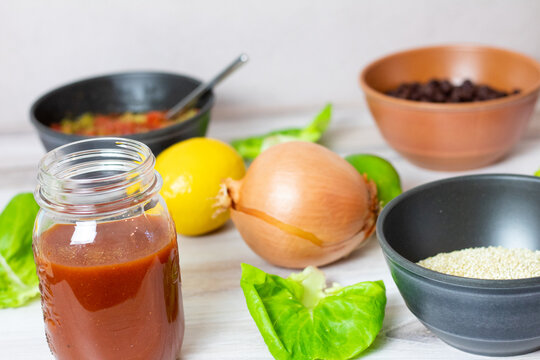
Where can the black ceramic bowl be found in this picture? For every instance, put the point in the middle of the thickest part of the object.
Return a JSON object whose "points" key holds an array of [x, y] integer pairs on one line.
{"points": [[117, 93], [487, 317]]}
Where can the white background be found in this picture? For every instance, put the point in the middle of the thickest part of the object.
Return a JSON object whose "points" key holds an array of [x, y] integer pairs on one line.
{"points": [[303, 52]]}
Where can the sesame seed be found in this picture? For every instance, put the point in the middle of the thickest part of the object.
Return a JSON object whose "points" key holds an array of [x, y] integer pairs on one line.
{"points": [[494, 263]]}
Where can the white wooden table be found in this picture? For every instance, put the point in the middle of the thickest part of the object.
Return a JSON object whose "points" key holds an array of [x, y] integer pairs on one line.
{"points": [[218, 325]]}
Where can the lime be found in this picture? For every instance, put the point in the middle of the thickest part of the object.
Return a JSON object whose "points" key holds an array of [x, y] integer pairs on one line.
{"points": [[192, 171], [383, 174]]}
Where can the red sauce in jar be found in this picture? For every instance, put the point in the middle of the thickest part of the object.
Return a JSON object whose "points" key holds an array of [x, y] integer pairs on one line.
{"points": [[115, 297]]}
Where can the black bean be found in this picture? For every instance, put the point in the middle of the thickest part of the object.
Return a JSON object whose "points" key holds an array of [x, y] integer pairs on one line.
{"points": [[439, 97], [446, 87], [442, 90]]}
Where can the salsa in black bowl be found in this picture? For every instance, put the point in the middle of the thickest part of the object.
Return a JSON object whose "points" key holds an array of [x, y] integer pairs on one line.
{"points": [[134, 92]]}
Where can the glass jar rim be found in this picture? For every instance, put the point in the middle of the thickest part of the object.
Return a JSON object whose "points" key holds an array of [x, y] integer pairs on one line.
{"points": [[96, 177]]}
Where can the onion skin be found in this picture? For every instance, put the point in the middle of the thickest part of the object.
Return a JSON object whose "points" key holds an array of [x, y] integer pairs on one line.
{"points": [[300, 204]]}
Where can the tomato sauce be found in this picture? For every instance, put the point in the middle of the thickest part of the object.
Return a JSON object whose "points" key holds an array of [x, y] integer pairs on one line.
{"points": [[112, 290]]}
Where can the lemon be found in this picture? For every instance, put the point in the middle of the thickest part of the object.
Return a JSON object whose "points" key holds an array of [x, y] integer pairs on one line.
{"points": [[192, 171], [381, 171]]}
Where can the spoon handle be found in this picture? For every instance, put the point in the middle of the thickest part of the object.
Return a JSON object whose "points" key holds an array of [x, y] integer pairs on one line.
{"points": [[200, 90]]}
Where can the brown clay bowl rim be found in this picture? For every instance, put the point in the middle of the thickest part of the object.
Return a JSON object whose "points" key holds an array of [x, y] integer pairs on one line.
{"points": [[479, 105]]}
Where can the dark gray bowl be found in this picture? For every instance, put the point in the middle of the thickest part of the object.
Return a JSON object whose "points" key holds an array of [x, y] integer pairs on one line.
{"points": [[117, 93], [487, 317]]}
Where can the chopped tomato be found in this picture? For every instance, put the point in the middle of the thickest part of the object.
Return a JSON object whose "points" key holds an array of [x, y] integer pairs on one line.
{"points": [[154, 119]]}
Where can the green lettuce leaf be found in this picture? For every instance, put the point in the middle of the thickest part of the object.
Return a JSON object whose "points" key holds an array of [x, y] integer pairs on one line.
{"points": [[249, 148], [18, 279], [300, 319]]}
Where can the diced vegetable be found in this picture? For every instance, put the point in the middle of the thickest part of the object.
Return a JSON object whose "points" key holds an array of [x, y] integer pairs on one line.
{"points": [[89, 124]]}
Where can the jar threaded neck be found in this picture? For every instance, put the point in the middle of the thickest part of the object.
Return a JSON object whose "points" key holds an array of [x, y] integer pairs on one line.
{"points": [[96, 177]]}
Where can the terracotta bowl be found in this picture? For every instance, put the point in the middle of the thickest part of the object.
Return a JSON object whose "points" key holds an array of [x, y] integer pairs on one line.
{"points": [[450, 136]]}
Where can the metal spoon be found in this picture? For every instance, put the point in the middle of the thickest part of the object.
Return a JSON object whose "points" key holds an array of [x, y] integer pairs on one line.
{"points": [[191, 99]]}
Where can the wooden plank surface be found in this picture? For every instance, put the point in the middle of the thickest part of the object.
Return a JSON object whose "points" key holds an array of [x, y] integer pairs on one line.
{"points": [[218, 325]]}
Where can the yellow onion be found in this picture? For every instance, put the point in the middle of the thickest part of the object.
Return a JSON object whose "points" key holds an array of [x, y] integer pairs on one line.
{"points": [[300, 204]]}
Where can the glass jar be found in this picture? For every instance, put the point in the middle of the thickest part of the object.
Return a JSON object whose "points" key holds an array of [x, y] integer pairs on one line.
{"points": [[106, 253]]}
